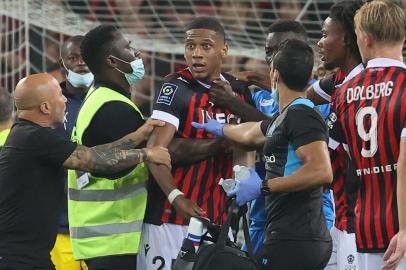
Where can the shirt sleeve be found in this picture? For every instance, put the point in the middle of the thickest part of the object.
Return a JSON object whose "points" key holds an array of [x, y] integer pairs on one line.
{"points": [[325, 87], [112, 121], [304, 125], [336, 134], [51, 147], [169, 104], [403, 134], [264, 125]]}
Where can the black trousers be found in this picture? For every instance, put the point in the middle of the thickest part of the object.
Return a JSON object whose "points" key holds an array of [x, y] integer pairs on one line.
{"points": [[294, 255], [117, 262]]}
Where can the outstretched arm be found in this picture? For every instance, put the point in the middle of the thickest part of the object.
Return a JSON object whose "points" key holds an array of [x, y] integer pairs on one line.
{"points": [[119, 155], [189, 151], [222, 95], [248, 134], [255, 78]]}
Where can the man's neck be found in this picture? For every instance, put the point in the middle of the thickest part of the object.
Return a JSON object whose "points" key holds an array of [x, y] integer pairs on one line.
{"points": [[70, 89], [6, 125], [387, 51], [287, 95], [349, 65], [117, 81], [35, 118]]}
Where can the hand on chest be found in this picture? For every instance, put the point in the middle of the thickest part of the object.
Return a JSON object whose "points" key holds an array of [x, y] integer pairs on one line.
{"points": [[207, 110]]}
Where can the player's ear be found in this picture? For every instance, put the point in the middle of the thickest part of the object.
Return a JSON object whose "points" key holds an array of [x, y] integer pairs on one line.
{"points": [[368, 39], [45, 107], [275, 76], [224, 50], [111, 61]]}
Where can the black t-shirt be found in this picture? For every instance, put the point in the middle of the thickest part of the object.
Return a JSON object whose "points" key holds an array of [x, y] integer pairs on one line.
{"points": [[111, 122], [293, 215], [31, 193]]}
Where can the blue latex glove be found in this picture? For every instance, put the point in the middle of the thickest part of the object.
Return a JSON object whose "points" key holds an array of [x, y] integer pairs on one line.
{"points": [[211, 126], [248, 189]]}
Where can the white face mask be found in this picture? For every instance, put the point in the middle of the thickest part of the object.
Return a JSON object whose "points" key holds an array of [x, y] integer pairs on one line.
{"points": [[79, 80]]}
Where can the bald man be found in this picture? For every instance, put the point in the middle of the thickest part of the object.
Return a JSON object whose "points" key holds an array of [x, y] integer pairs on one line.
{"points": [[31, 166]]}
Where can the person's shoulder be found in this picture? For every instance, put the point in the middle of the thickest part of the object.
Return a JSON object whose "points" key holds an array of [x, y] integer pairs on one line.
{"points": [[299, 111], [182, 78]]}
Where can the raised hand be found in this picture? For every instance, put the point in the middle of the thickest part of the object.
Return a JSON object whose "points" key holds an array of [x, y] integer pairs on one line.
{"points": [[222, 94]]}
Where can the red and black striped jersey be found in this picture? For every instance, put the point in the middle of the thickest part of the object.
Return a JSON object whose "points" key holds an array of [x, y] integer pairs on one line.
{"points": [[370, 119], [181, 100], [344, 189]]}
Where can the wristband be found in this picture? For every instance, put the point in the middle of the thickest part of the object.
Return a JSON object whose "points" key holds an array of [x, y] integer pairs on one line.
{"points": [[174, 194]]}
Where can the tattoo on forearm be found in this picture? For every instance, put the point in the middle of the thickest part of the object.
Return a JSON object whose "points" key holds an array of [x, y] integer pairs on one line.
{"points": [[104, 159]]}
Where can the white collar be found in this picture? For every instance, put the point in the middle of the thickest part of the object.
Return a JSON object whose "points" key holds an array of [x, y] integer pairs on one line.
{"points": [[385, 62], [354, 72], [208, 85]]}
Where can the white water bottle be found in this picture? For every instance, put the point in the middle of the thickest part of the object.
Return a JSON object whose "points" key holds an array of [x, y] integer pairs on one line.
{"points": [[241, 172], [227, 184], [195, 232]]}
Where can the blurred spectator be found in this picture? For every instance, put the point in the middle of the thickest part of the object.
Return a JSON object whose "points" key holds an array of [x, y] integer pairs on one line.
{"points": [[288, 9]]}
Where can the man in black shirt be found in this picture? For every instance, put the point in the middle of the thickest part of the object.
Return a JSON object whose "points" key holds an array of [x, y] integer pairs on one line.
{"points": [[31, 167], [297, 165]]}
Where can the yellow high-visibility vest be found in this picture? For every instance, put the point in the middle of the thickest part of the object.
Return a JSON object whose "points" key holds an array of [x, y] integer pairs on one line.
{"points": [[105, 216]]}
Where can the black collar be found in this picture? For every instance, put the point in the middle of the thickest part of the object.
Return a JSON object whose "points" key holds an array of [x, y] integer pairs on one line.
{"points": [[112, 86]]}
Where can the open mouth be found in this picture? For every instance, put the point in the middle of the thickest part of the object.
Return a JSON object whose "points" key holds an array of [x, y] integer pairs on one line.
{"points": [[198, 67]]}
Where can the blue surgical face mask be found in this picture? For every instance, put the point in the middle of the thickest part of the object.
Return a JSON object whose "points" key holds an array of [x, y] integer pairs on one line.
{"points": [[138, 70], [79, 80]]}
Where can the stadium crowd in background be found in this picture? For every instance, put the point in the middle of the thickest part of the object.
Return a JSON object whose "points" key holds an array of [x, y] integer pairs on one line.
{"points": [[134, 184]]}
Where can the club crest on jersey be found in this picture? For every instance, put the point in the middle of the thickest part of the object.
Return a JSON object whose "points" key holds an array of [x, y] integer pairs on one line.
{"points": [[167, 93]]}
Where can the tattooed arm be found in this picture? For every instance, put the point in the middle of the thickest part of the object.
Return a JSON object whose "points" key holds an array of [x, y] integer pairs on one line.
{"points": [[111, 158], [119, 155]]}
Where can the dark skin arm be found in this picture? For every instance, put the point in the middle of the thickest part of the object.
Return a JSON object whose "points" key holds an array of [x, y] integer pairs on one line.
{"points": [[255, 78], [162, 136], [119, 155], [189, 151], [222, 95]]}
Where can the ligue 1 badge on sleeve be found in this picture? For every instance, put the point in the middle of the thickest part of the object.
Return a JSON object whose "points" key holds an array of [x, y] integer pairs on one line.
{"points": [[167, 93]]}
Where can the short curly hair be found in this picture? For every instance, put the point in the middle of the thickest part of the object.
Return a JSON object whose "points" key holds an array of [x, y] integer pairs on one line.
{"points": [[96, 45]]}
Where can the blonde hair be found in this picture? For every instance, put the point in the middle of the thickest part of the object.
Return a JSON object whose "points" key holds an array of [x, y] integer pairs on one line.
{"points": [[383, 19]]}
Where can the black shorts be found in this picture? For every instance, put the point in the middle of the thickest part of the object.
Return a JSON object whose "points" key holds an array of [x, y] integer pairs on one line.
{"points": [[294, 255], [117, 262]]}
